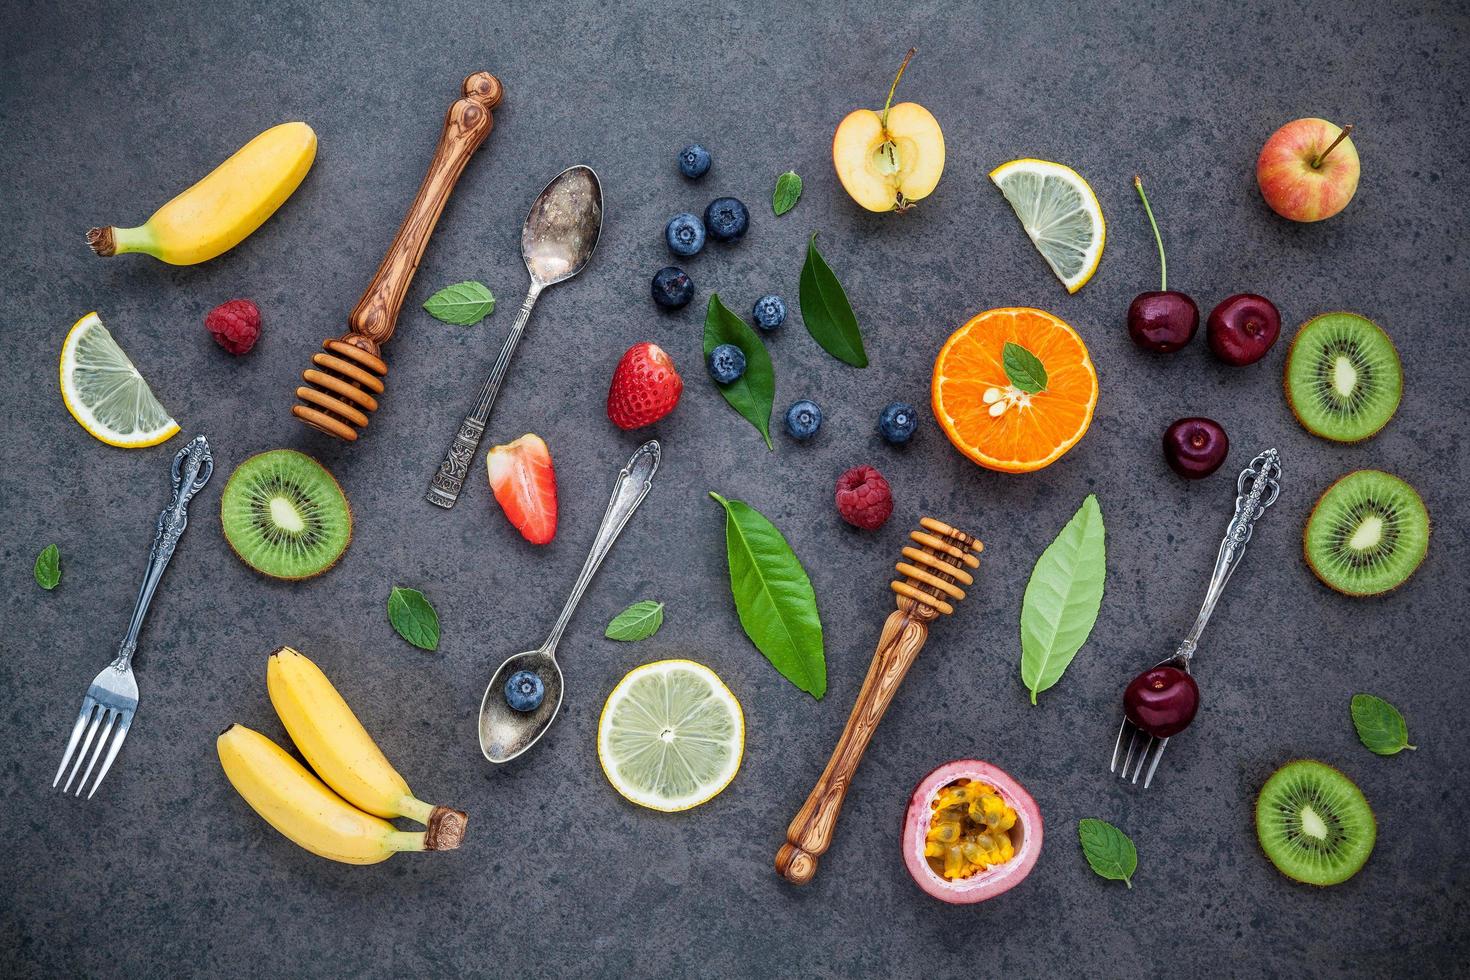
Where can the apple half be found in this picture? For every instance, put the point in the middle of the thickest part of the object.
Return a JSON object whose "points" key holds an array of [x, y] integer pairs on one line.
{"points": [[888, 160]]}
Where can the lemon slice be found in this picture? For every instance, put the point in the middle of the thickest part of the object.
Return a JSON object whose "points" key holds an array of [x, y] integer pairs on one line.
{"points": [[671, 735], [105, 393], [1059, 212]]}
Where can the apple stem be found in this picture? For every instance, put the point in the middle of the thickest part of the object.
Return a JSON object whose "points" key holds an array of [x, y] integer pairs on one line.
{"points": [[1317, 162], [894, 87], [1158, 239]]}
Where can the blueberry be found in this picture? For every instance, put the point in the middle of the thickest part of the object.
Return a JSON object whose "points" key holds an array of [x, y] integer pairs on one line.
{"points": [[726, 219], [726, 363], [524, 691], [803, 419], [769, 312], [672, 288], [897, 423], [694, 161], [685, 234]]}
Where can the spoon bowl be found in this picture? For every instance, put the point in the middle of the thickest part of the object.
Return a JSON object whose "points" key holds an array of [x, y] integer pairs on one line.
{"points": [[504, 732], [562, 228]]}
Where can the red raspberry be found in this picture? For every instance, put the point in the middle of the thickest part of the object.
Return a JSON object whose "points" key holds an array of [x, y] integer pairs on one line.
{"points": [[235, 325], [863, 498], [645, 387]]}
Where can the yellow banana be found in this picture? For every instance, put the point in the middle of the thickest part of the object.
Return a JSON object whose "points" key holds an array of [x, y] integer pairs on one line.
{"points": [[217, 213], [302, 808]]}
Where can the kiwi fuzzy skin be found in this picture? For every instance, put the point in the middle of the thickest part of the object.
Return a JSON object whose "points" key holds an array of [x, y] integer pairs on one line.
{"points": [[1286, 379], [351, 520], [1307, 555], [1372, 819]]}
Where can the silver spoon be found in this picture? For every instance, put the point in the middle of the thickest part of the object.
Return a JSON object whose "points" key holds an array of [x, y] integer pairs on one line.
{"points": [[559, 237], [506, 733]]}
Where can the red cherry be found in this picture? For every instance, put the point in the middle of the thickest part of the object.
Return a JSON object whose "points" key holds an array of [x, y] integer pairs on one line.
{"points": [[1162, 701]]}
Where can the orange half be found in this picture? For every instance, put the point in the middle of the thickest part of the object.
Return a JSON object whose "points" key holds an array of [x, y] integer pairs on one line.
{"points": [[1030, 431]]}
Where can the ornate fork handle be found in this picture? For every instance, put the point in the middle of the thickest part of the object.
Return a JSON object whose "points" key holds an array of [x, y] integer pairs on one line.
{"points": [[192, 467]]}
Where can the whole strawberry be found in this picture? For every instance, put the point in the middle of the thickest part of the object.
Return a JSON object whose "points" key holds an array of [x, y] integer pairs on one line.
{"points": [[645, 387], [235, 325], [863, 498]]}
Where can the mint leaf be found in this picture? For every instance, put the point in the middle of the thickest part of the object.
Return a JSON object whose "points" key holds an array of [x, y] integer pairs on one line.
{"points": [[754, 392], [463, 303], [638, 622], [413, 618], [48, 567], [1108, 850], [1023, 368], [1062, 598], [788, 192], [825, 310], [1380, 726]]}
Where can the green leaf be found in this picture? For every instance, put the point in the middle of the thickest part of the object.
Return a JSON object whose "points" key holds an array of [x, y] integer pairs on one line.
{"points": [[1108, 850], [1023, 368], [826, 312], [48, 567], [638, 622], [754, 392], [413, 618], [774, 597], [463, 303], [788, 192], [1062, 598], [1380, 726]]}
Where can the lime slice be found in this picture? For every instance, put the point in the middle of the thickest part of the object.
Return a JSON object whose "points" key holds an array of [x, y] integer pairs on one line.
{"points": [[671, 735], [105, 393], [1060, 214]]}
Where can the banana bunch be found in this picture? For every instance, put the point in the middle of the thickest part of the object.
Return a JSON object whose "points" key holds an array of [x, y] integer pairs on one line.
{"points": [[351, 824]]}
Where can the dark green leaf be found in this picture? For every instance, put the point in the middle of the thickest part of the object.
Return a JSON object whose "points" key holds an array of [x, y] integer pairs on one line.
{"points": [[1023, 368], [1380, 726], [1062, 598], [826, 312], [754, 392], [48, 567], [413, 618], [1108, 850], [463, 303], [774, 597], [638, 622], [788, 192]]}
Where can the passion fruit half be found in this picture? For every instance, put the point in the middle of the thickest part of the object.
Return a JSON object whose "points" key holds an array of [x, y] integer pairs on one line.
{"points": [[971, 832]]}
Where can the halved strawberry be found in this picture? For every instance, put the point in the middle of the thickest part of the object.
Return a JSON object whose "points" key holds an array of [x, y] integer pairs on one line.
{"points": [[524, 482]]}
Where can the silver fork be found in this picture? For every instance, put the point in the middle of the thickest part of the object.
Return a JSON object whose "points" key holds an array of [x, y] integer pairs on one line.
{"points": [[1257, 488], [107, 710]]}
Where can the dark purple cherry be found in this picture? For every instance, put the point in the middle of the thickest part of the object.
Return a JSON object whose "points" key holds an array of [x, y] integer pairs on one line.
{"points": [[1195, 447], [1166, 320], [1162, 701], [1242, 328]]}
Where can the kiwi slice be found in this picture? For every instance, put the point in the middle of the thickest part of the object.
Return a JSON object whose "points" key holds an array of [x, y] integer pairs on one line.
{"points": [[285, 516], [1343, 377], [1367, 533], [1314, 823]]}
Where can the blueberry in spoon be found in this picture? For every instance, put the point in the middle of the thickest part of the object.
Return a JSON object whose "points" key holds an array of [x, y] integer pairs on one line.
{"points": [[1165, 320]]}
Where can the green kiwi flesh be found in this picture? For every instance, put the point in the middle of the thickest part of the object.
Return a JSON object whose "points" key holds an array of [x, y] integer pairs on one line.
{"points": [[1343, 377], [1314, 823], [1367, 533], [285, 516]]}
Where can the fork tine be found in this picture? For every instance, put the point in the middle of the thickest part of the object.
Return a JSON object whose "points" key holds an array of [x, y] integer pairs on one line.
{"points": [[86, 743], [117, 741], [1163, 744], [1128, 758], [88, 703], [1118, 745], [102, 739], [1147, 748]]}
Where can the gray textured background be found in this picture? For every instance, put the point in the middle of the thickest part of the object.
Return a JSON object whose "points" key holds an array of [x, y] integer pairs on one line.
{"points": [[106, 112]]}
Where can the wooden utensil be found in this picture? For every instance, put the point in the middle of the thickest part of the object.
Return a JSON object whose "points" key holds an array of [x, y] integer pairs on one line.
{"points": [[347, 379], [933, 574]]}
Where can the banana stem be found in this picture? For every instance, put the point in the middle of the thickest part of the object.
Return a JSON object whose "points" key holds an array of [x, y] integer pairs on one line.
{"points": [[111, 240], [894, 87], [1158, 239], [415, 809]]}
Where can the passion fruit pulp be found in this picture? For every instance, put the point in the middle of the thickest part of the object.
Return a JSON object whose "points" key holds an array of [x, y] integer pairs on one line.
{"points": [[970, 833]]}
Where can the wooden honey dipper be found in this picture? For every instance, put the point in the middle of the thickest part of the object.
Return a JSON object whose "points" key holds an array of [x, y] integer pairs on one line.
{"points": [[346, 380], [933, 574]]}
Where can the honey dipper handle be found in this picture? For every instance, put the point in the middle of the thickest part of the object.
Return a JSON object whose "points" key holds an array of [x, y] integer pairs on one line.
{"points": [[466, 125], [810, 833]]}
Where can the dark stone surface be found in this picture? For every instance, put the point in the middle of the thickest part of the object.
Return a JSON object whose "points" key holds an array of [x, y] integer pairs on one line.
{"points": [[107, 111]]}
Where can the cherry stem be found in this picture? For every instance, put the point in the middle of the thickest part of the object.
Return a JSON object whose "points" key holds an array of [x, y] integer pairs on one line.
{"points": [[894, 87], [1163, 264], [1317, 162]]}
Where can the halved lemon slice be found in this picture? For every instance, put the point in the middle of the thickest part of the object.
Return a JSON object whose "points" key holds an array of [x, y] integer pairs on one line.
{"points": [[1059, 212], [671, 735], [105, 393]]}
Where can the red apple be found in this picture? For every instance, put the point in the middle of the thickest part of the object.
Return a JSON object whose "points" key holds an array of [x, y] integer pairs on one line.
{"points": [[1308, 170]]}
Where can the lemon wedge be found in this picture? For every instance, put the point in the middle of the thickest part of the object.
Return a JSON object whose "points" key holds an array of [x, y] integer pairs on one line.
{"points": [[105, 393], [671, 735], [1060, 214]]}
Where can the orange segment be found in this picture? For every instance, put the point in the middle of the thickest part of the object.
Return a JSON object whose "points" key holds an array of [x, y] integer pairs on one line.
{"points": [[1032, 431]]}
